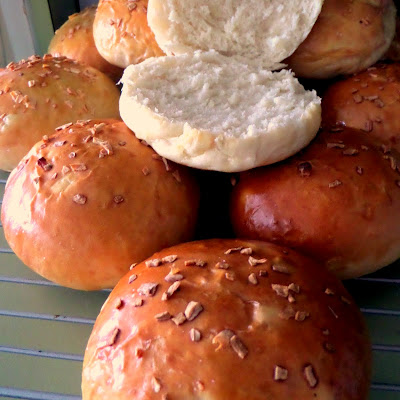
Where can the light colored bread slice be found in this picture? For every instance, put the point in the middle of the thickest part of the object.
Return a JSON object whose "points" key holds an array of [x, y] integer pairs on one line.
{"points": [[263, 31], [211, 112]]}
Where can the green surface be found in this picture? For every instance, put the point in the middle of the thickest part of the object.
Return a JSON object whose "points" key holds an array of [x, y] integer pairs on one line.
{"points": [[44, 329], [40, 373], [42, 26]]}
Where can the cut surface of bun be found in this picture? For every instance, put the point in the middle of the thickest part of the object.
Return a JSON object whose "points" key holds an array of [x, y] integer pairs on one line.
{"points": [[337, 201], [212, 112], [39, 94], [89, 201], [228, 319], [121, 33], [74, 39], [260, 31]]}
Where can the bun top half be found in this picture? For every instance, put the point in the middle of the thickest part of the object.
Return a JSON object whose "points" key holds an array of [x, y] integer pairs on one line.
{"points": [[228, 319]]}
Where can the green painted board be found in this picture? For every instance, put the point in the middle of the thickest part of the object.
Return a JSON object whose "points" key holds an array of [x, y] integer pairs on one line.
{"points": [[44, 329]]}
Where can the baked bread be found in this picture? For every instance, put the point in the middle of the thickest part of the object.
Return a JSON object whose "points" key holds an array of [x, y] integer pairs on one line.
{"points": [[39, 94], [393, 54], [212, 112], [264, 32], [86, 203], [121, 33], [74, 39], [369, 101], [349, 36], [338, 201], [194, 322]]}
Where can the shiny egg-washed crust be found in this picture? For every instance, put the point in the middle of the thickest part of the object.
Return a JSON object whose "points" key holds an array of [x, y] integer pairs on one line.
{"points": [[369, 101], [121, 33], [337, 201], [348, 37], [261, 323], [393, 54], [39, 94], [86, 203], [74, 39]]}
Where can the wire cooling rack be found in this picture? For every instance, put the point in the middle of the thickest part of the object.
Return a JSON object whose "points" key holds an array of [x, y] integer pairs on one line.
{"points": [[44, 329]]}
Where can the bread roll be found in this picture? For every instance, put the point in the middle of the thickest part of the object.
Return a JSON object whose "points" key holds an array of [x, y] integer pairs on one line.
{"points": [[349, 36], [39, 94], [211, 112], [369, 101], [86, 203], [194, 322], [121, 33], [393, 54], [337, 201], [74, 39], [263, 32]]}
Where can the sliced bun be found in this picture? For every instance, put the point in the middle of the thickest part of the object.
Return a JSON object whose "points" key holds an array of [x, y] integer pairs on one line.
{"points": [[261, 322], [39, 94], [74, 39], [260, 31], [337, 201], [121, 32], [368, 101], [348, 37], [86, 203], [212, 112]]}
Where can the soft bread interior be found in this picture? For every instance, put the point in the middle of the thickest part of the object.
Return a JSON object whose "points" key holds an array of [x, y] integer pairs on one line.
{"points": [[263, 31], [212, 112]]}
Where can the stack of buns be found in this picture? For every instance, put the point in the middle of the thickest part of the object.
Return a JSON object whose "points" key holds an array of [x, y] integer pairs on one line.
{"points": [[201, 89]]}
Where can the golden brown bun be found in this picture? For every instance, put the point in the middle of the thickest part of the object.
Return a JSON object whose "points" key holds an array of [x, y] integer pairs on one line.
{"points": [[121, 32], [39, 94], [246, 330], [86, 203], [337, 201], [75, 40], [393, 54], [349, 36], [369, 101]]}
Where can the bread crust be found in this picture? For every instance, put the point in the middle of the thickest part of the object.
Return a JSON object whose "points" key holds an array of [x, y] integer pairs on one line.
{"points": [[39, 94], [86, 203], [349, 36], [314, 345], [368, 101], [337, 201], [188, 141], [121, 33], [74, 39]]}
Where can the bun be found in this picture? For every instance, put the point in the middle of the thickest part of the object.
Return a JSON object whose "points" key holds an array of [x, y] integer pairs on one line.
{"points": [[39, 94], [348, 37], [121, 33], [75, 40], [282, 329], [393, 54], [212, 112], [263, 32], [338, 201], [366, 101], [86, 203]]}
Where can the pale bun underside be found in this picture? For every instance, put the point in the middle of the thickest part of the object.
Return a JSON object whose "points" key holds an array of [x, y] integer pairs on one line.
{"points": [[211, 112], [264, 32]]}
